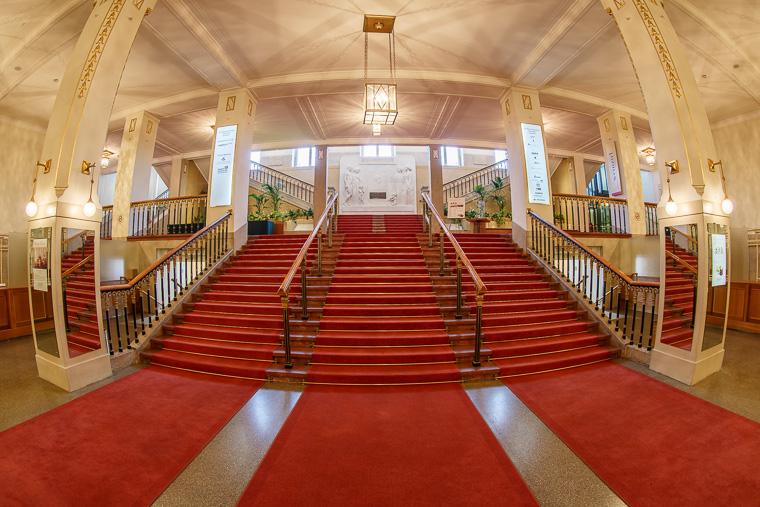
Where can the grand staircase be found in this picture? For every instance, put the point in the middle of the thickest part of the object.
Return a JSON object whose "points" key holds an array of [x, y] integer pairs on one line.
{"points": [[381, 313], [677, 327], [83, 332]]}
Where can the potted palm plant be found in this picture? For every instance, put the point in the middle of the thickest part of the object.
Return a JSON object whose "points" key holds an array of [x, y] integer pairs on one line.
{"points": [[277, 217], [483, 194], [258, 223]]}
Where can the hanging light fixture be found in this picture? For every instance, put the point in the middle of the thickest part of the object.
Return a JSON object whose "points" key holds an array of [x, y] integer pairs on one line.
{"points": [[377, 130], [89, 207], [671, 208], [380, 98], [649, 152], [727, 205], [31, 206], [106, 160]]}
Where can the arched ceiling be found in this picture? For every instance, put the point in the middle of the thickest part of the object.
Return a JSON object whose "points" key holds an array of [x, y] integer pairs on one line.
{"points": [[303, 60]]}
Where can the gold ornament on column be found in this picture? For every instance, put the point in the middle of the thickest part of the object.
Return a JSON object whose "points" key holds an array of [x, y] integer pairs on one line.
{"points": [[31, 206], [727, 205], [671, 207], [89, 207]]}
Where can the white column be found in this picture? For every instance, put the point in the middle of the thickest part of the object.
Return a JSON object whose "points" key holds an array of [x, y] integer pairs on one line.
{"points": [[320, 182], [578, 181], [436, 182], [176, 177]]}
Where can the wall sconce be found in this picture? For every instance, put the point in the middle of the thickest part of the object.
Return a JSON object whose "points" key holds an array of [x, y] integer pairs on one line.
{"points": [[377, 130], [106, 160], [671, 208], [727, 205], [31, 206], [649, 152], [89, 207]]}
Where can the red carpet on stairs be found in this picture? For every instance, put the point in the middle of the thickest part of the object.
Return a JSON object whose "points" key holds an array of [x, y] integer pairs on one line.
{"points": [[83, 335], [679, 298], [416, 445], [119, 445], [529, 323], [380, 323], [651, 443]]}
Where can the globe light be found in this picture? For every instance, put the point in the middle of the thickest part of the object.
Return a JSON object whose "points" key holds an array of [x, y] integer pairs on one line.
{"points": [[671, 208], [89, 208], [31, 208], [727, 206]]}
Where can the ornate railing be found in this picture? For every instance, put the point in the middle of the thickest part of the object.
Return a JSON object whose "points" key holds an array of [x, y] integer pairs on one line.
{"points": [[106, 222], [287, 184], [631, 305], [176, 215], [429, 212], [466, 184], [583, 213], [157, 287], [653, 224], [327, 218]]}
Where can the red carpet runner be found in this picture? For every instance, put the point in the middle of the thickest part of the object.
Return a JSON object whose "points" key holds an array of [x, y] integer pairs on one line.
{"points": [[651, 443], [414, 445], [119, 445]]}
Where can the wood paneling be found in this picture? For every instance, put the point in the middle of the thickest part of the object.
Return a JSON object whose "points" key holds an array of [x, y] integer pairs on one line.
{"points": [[5, 316], [15, 317]]}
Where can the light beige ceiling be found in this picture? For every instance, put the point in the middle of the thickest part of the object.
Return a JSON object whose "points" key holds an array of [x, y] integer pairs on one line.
{"points": [[303, 60]]}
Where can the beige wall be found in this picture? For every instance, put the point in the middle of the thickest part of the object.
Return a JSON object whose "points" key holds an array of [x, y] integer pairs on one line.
{"points": [[561, 183], [20, 150]]}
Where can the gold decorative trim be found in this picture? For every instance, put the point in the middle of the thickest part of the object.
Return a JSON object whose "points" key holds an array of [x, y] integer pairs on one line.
{"points": [[231, 103], [658, 41], [619, 4], [624, 123], [607, 126], [138, 3], [527, 102], [507, 107], [132, 124], [96, 50], [150, 127], [250, 107]]}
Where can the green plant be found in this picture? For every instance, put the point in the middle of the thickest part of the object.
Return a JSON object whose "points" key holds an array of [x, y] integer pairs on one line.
{"points": [[471, 213], [277, 216], [482, 192], [259, 201], [559, 218], [499, 218], [497, 194], [199, 219], [309, 213], [295, 214], [274, 195]]}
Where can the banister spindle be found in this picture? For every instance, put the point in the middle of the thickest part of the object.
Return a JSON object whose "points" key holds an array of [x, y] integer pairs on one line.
{"points": [[459, 288], [478, 328], [285, 301]]}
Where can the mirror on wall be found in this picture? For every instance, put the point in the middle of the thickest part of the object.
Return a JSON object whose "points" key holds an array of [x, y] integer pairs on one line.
{"points": [[715, 325], [40, 286], [681, 264], [78, 283]]}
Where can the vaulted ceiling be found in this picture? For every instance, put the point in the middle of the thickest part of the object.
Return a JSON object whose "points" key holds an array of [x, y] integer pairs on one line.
{"points": [[303, 60]]}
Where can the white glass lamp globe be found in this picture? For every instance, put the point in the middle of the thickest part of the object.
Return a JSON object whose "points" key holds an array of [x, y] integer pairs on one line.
{"points": [[89, 208], [727, 206], [671, 207], [31, 208]]}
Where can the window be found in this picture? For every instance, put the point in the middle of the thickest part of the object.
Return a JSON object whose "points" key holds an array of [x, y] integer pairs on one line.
{"points": [[256, 157], [452, 155], [499, 155], [303, 157], [378, 150]]}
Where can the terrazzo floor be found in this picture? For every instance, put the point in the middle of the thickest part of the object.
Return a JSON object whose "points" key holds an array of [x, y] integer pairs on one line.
{"points": [[219, 474]]}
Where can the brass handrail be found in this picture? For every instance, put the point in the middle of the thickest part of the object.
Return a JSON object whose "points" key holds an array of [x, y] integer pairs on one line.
{"points": [[167, 199], [300, 261], [682, 262], [77, 266], [591, 198], [462, 260], [689, 238], [72, 238]]}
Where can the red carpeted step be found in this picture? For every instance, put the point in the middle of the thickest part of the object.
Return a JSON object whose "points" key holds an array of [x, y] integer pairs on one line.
{"points": [[542, 345], [534, 330], [384, 323], [378, 278], [514, 295], [233, 320], [680, 337], [382, 355], [229, 307], [378, 288], [516, 319], [390, 299], [524, 306], [382, 338], [228, 333], [550, 362], [393, 374], [88, 341], [235, 350], [241, 297], [216, 365], [335, 310], [380, 270]]}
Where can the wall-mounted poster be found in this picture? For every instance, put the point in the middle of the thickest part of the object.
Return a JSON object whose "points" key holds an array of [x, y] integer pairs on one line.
{"points": [[40, 258], [456, 207], [535, 164], [719, 259], [220, 193], [613, 172]]}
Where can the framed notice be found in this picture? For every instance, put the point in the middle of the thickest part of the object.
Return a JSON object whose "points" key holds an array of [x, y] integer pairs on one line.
{"points": [[39, 253], [220, 193], [613, 172], [719, 259], [456, 207], [535, 164]]}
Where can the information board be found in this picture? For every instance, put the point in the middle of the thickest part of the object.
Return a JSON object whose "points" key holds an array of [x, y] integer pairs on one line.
{"points": [[535, 164], [719, 259], [220, 193], [613, 172], [456, 207]]}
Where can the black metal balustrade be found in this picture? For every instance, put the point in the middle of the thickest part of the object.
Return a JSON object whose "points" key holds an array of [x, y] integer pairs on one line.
{"points": [[466, 184], [582, 213], [628, 304], [287, 184], [176, 215], [153, 291]]}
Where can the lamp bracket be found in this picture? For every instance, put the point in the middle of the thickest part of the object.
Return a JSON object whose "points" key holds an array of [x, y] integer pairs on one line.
{"points": [[711, 165], [673, 166], [87, 166], [46, 165]]}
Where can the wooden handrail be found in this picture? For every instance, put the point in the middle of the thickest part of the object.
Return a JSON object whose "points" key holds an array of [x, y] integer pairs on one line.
{"points": [[183, 198], [77, 266], [149, 269], [285, 286], [591, 198], [470, 175], [689, 238], [480, 287], [599, 259], [72, 238], [682, 262], [650, 204], [283, 175]]}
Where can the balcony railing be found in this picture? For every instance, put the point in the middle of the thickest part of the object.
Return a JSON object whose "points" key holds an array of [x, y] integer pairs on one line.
{"points": [[628, 304], [653, 227], [582, 213], [466, 184], [155, 289], [106, 222], [176, 215], [287, 184]]}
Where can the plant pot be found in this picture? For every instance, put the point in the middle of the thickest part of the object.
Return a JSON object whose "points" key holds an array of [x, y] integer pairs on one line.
{"points": [[278, 227], [259, 227]]}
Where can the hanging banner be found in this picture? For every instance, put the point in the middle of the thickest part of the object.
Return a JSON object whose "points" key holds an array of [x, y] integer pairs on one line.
{"points": [[456, 207], [220, 193], [613, 172], [535, 164], [719, 259]]}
